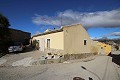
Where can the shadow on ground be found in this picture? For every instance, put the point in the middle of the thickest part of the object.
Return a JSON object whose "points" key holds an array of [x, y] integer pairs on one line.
{"points": [[115, 58], [26, 49]]}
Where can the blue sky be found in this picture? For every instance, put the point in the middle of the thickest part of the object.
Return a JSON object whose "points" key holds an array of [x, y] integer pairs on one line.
{"points": [[101, 17]]}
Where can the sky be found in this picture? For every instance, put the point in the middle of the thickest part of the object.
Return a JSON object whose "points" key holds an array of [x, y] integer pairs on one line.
{"points": [[101, 18]]}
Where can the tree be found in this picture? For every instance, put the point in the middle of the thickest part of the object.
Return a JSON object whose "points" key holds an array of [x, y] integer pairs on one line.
{"points": [[4, 33], [4, 24], [4, 21]]}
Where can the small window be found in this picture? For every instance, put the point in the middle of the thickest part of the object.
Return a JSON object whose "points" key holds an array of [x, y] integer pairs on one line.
{"points": [[85, 42]]}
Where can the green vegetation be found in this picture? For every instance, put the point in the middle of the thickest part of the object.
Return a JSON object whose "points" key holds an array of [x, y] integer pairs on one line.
{"points": [[4, 34]]}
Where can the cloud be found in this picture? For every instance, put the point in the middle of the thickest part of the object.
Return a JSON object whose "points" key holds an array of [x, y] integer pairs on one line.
{"points": [[112, 34], [37, 32], [87, 19]]}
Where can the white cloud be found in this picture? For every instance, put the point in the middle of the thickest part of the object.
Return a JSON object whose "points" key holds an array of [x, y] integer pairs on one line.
{"points": [[91, 19], [113, 34], [37, 32]]}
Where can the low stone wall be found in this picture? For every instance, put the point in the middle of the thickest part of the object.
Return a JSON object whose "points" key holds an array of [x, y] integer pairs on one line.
{"points": [[54, 51], [64, 58], [48, 61], [59, 56], [78, 56]]}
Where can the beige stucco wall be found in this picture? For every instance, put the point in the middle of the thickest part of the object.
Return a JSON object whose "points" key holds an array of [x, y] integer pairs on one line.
{"points": [[56, 40], [94, 47], [107, 48], [74, 37], [71, 40], [101, 48]]}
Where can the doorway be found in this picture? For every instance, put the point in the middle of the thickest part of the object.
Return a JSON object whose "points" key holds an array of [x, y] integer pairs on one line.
{"points": [[48, 43]]}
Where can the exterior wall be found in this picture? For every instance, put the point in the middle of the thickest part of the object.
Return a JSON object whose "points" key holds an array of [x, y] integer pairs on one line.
{"points": [[74, 37], [56, 40], [19, 36], [104, 47], [94, 47]]}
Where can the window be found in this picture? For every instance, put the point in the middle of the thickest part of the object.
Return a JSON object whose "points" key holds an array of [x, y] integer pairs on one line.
{"points": [[85, 42], [48, 43]]}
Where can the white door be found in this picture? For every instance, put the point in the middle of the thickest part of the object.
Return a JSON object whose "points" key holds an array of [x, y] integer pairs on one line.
{"points": [[42, 43]]}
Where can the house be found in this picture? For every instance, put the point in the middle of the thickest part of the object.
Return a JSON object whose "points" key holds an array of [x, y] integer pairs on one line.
{"points": [[71, 39], [14, 36], [19, 36], [103, 48]]}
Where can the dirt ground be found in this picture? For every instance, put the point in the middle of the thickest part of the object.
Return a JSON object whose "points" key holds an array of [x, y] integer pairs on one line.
{"points": [[97, 67], [13, 57]]}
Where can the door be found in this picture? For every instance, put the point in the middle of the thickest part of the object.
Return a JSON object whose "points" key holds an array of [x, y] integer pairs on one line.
{"points": [[48, 43], [42, 44]]}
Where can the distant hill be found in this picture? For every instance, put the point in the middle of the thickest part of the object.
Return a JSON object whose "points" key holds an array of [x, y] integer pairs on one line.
{"points": [[116, 40]]}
